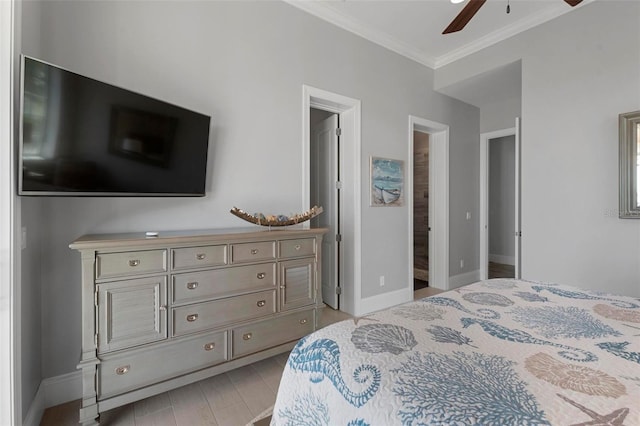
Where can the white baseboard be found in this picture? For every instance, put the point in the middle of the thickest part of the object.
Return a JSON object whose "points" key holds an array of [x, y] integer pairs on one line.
{"points": [[36, 409], [53, 391], [385, 300], [500, 258], [464, 279]]}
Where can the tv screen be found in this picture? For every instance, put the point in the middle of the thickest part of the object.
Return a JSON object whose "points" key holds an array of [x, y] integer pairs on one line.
{"points": [[80, 136]]}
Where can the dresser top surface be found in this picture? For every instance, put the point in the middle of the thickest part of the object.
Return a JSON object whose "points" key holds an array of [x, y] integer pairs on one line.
{"points": [[97, 241]]}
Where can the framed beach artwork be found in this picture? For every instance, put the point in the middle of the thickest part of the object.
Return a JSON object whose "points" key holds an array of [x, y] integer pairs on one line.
{"points": [[387, 182]]}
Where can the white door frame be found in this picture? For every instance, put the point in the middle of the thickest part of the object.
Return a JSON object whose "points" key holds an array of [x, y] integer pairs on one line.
{"points": [[438, 200], [484, 197], [10, 401], [349, 111]]}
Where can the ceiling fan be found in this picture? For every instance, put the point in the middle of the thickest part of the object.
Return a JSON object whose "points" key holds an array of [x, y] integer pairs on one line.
{"points": [[470, 10]]}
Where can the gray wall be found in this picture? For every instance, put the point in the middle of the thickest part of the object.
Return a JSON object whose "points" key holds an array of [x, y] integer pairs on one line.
{"points": [[579, 72], [32, 218], [499, 115], [502, 175], [244, 63]]}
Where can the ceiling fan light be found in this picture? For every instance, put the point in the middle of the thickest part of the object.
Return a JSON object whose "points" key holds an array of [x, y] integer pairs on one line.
{"points": [[456, 1]]}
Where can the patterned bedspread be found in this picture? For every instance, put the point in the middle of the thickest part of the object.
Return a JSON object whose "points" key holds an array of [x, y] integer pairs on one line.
{"points": [[497, 352]]}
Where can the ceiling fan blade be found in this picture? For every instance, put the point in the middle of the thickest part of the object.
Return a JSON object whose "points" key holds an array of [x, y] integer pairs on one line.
{"points": [[573, 3], [465, 16]]}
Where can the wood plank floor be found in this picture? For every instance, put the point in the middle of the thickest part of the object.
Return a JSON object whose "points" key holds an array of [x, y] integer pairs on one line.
{"points": [[230, 399], [500, 270]]}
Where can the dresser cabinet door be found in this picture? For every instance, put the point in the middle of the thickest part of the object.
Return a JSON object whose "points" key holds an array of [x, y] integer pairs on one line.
{"points": [[297, 283], [131, 313]]}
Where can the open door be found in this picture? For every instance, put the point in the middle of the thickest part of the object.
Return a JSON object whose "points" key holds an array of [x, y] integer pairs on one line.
{"points": [[325, 192], [500, 195], [518, 231]]}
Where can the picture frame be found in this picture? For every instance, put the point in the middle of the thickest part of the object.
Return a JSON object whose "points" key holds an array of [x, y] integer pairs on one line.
{"points": [[386, 182], [629, 165]]}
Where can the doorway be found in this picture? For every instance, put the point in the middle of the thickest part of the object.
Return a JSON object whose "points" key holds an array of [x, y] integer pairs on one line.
{"points": [[420, 210], [436, 232], [348, 112], [499, 204], [324, 139]]}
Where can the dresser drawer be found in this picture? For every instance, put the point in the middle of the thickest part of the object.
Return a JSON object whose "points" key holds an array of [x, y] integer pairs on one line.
{"points": [[203, 316], [251, 252], [110, 265], [135, 369], [296, 248], [195, 257], [265, 334], [194, 286]]}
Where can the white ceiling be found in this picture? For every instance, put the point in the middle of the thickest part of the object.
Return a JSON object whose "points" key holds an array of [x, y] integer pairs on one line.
{"points": [[413, 28]]}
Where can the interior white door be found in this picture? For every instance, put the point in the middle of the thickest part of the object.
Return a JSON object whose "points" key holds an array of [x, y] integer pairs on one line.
{"points": [[518, 231], [325, 139]]}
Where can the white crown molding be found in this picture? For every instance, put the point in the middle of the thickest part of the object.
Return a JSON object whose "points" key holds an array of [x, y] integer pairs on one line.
{"points": [[506, 32], [323, 11]]}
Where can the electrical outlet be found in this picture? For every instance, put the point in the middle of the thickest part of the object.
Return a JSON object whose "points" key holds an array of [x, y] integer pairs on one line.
{"points": [[461, 263], [23, 238], [381, 280]]}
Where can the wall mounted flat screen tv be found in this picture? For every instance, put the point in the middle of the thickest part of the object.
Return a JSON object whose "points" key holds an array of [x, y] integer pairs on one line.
{"points": [[82, 137]]}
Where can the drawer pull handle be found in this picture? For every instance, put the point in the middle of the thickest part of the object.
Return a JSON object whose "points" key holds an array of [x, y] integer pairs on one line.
{"points": [[192, 317], [201, 256], [192, 285], [209, 346], [297, 247], [162, 308], [261, 303], [123, 370], [261, 275], [303, 321], [254, 251], [246, 336], [134, 262]]}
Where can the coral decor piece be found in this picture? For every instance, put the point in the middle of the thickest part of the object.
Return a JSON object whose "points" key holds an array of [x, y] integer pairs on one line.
{"points": [[277, 220]]}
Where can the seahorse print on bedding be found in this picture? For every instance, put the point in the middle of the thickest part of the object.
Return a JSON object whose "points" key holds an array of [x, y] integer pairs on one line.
{"points": [[519, 336], [321, 359], [584, 296]]}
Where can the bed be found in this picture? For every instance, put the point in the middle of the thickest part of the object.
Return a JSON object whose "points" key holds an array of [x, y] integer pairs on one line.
{"points": [[497, 352]]}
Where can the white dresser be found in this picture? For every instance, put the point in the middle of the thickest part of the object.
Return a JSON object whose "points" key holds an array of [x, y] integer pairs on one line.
{"points": [[161, 312]]}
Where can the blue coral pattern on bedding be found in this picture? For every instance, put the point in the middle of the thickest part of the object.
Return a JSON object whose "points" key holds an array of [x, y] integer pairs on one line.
{"points": [[497, 352]]}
